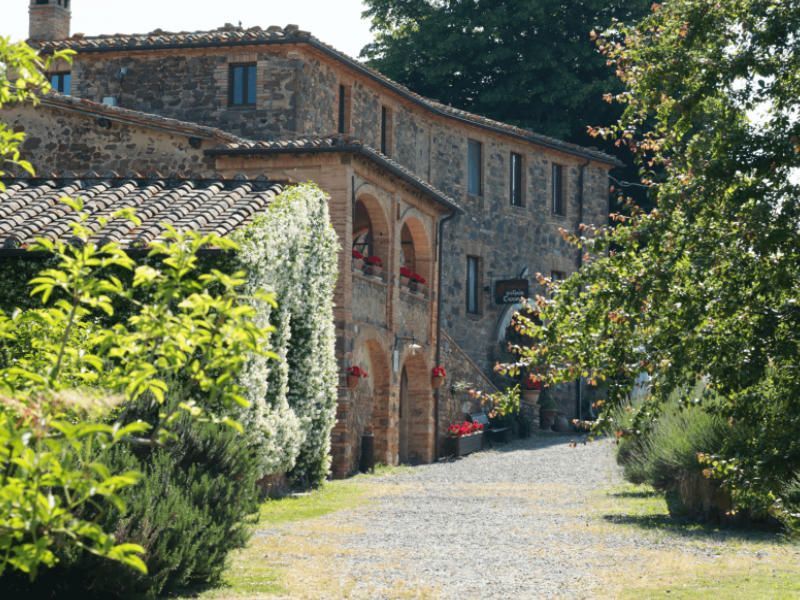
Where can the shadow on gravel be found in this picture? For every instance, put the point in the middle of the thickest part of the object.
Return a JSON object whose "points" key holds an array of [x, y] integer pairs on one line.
{"points": [[636, 494], [538, 441], [690, 529]]}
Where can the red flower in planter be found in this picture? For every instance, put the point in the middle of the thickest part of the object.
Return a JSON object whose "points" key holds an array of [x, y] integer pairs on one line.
{"points": [[375, 261], [406, 272], [464, 428], [357, 255], [357, 371], [416, 277], [531, 383], [439, 372]]}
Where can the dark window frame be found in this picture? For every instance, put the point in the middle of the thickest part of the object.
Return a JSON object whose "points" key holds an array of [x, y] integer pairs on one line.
{"points": [[478, 146], [558, 203], [386, 130], [248, 87], [343, 125], [474, 286], [61, 81], [516, 189]]}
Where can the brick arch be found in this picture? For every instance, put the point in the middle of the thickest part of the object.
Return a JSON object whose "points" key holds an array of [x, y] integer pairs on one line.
{"points": [[416, 249], [383, 422], [371, 227], [419, 419]]}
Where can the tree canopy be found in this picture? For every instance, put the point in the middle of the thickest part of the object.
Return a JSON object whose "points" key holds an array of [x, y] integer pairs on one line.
{"points": [[707, 285], [526, 62]]}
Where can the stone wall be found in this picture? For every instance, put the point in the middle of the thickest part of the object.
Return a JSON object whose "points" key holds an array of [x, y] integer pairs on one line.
{"points": [[58, 141]]}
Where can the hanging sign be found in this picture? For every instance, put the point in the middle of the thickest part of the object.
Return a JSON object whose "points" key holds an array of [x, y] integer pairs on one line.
{"points": [[511, 291]]}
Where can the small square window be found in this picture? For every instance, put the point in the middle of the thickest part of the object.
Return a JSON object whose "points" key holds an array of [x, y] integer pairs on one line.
{"points": [[559, 205], [61, 82], [516, 189], [242, 85], [474, 168], [474, 285]]}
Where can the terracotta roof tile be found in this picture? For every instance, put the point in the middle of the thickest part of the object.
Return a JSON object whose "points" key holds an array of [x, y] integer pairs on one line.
{"points": [[31, 208], [335, 143], [230, 35]]}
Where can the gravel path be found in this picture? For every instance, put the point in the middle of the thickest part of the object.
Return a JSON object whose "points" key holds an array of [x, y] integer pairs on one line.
{"points": [[505, 523]]}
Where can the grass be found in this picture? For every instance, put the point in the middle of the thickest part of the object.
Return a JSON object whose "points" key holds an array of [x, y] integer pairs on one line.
{"points": [[287, 555], [692, 561]]}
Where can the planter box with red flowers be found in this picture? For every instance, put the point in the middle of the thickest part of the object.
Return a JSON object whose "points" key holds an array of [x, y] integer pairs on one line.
{"points": [[354, 375], [438, 375], [358, 260], [373, 265], [465, 438], [411, 281]]}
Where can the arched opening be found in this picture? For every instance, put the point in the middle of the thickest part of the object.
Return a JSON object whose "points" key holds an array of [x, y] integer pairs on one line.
{"points": [[370, 228], [381, 420], [416, 253], [415, 411]]}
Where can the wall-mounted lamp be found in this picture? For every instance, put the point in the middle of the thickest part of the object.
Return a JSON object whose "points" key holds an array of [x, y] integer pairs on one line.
{"points": [[413, 348]]}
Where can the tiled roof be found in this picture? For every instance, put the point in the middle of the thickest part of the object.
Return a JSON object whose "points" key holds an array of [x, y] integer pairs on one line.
{"points": [[31, 208], [336, 143], [135, 117], [230, 35]]}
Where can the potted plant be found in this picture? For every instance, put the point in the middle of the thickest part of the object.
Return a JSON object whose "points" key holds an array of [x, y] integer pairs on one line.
{"points": [[438, 375], [374, 265], [465, 437], [405, 277], [358, 260], [547, 411], [531, 389], [354, 375], [417, 282]]}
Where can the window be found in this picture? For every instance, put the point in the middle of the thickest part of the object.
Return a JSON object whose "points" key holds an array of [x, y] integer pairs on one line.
{"points": [[242, 84], [386, 130], [42, 2], [61, 82], [473, 285], [474, 168], [559, 207], [516, 180], [344, 109], [557, 275]]}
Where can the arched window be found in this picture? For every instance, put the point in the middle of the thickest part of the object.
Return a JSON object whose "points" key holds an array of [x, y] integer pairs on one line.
{"points": [[363, 236]]}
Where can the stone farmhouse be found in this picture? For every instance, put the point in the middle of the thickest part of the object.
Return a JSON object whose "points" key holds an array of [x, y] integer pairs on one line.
{"points": [[468, 206]]}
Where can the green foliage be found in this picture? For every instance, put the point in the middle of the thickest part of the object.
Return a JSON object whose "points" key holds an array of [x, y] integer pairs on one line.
{"points": [[21, 79], [530, 63], [706, 284]]}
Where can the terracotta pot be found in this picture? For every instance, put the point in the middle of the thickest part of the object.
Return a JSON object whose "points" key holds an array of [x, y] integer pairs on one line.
{"points": [[547, 417], [358, 264], [405, 282], [352, 381], [374, 270], [437, 381], [531, 396]]}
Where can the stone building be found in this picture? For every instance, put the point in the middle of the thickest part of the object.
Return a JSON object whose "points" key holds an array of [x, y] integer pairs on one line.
{"points": [[472, 205]]}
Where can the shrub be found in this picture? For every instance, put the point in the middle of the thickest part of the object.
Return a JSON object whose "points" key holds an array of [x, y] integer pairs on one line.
{"points": [[188, 512]]}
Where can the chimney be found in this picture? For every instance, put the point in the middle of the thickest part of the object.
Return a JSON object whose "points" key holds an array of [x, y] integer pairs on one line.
{"points": [[49, 20]]}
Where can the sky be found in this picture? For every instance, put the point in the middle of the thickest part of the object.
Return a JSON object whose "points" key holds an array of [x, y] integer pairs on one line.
{"points": [[336, 22]]}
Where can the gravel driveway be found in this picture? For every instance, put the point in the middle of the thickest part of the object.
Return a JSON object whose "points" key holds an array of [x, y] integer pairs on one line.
{"points": [[505, 523]]}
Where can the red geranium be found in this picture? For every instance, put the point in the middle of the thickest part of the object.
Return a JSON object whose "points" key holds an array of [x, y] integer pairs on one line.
{"points": [[464, 428], [406, 272], [439, 372], [532, 383], [357, 371], [374, 261], [416, 277], [357, 255]]}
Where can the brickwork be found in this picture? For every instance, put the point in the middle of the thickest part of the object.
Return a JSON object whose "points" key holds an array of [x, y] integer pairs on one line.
{"points": [[49, 21]]}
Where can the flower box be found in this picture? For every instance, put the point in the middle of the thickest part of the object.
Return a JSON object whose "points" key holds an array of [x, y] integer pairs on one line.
{"points": [[438, 375], [466, 444], [354, 375], [358, 260]]}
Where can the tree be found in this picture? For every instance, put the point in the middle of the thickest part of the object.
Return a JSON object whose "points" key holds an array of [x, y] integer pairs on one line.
{"points": [[526, 62], [707, 285]]}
